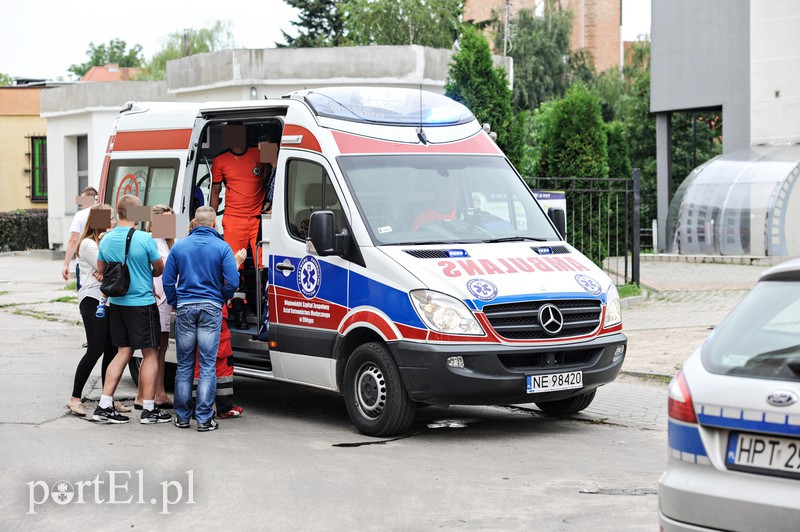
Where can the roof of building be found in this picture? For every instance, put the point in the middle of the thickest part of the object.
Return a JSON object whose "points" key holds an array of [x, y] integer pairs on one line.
{"points": [[110, 72]]}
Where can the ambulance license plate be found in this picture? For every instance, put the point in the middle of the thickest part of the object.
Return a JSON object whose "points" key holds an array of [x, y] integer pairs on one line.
{"points": [[555, 382], [762, 453]]}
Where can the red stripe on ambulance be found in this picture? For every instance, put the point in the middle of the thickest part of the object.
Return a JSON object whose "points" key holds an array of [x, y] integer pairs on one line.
{"points": [[163, 139]]}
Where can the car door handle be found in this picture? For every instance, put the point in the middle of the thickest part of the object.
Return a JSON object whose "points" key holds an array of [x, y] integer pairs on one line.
{"points": [[284, 267]]}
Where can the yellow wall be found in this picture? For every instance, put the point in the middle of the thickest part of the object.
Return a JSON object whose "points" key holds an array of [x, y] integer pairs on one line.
{"points": [[19, 119]]}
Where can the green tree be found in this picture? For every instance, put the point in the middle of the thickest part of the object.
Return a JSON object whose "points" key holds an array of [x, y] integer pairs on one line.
{"points": [[319, 24], [114, 52], [215, 37], [619, 161], [434, 23], [473, 80], [5, 80], [573, 144], [573, 138], [540, 49]]}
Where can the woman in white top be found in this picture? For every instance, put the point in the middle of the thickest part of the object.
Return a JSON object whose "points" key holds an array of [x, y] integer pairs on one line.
{"points": [[165, 312], [98, 336]]}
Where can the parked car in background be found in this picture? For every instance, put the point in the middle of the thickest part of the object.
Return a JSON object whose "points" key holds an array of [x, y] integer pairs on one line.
{"points": [[734, 418]]}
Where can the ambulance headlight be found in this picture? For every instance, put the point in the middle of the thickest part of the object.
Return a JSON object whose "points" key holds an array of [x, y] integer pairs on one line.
{"points": [[613, 307], [444, 314]]}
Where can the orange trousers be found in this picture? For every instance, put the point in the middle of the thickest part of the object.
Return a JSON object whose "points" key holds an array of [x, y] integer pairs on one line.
{"points": [[240, 232]]}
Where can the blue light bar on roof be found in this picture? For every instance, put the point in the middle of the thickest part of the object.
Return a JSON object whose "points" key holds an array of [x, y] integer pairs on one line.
{"points": [[388, 106]]}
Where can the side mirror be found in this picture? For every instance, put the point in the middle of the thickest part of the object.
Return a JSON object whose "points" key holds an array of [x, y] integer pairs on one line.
{"points": [[559, 219], [321, 233]]}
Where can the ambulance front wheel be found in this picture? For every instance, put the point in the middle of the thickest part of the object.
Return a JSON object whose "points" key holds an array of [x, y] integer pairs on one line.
{"points": [[376, 399], [566, 407]]}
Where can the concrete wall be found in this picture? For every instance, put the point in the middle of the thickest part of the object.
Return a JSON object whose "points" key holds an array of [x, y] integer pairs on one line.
{"points": [[701, 58], [273, 72], [775, 72], [19, 120]]}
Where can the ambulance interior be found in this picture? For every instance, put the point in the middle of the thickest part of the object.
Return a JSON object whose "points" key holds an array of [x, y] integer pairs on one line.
{"points": [[246, 307]]}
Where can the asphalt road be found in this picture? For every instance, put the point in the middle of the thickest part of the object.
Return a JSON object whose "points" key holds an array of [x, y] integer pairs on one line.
{"points": [[293, 461]]}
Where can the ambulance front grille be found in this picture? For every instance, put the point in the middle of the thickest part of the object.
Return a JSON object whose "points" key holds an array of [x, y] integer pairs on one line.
{"points": [[547, 359], [429, 253], [520, 321]]}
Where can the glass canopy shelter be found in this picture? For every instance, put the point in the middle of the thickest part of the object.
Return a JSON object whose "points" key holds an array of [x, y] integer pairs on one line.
{"points": [[741, 203]]}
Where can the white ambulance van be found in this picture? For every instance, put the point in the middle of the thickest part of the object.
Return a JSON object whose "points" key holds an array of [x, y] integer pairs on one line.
{"points": [[405, 260]]}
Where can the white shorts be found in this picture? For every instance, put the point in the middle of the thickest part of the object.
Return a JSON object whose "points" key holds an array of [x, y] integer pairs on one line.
{"points": [[164, 313]]}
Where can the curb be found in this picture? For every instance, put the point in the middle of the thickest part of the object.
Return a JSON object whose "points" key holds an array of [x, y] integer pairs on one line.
{"points": [[651, 375]]}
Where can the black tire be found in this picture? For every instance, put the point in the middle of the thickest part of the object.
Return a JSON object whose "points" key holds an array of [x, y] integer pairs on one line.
{"points": [[376, 399], [566, 407], [135, 364]]}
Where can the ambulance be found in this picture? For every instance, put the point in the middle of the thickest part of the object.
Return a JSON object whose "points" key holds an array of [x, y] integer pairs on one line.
{"points": [[405, 261]]}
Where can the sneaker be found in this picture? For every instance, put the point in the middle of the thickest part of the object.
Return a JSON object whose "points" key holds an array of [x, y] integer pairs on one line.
{"points": [[154, 416], [236, 411], [119, 407], [181, 424], [108, 415], [205, 427], [100, 312]]}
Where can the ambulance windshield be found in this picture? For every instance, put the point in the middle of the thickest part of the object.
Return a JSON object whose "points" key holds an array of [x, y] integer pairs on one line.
{"points": [[388, 106], [432, 199]]}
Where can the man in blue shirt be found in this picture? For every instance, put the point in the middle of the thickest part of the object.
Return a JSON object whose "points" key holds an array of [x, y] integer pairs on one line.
{"points": [[201, 273], [134, 317]]}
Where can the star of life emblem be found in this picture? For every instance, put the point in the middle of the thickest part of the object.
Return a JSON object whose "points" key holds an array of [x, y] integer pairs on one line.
{"points": [[482, 289], [589, 284], [309, 277]]}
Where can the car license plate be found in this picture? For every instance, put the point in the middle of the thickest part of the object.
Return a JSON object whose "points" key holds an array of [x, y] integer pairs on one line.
{"points": [[762, 453], [554, 382]]}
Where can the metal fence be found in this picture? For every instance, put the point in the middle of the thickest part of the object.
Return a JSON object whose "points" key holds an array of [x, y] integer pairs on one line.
{"points": [[602, 220]]}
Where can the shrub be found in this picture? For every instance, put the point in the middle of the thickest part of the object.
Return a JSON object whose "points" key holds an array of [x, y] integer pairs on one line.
{"points": [[24, 229]]}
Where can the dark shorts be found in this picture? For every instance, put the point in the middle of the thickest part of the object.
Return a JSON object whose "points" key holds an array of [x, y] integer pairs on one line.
{"points": [[135, 327]]}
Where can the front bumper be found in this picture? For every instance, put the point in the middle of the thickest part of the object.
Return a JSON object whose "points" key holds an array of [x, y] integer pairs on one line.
{"points": [[496, 374]]}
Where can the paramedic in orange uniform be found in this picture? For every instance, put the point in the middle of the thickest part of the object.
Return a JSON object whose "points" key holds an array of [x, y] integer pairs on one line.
{"points": [[243, 172]]}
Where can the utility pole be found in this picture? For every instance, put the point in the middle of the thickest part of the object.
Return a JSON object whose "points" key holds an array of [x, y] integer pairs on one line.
{"points": [[506, 36], [185, 43]]}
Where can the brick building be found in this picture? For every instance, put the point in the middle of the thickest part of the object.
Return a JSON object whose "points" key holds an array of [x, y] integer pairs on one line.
{"points": [[595, 26]]}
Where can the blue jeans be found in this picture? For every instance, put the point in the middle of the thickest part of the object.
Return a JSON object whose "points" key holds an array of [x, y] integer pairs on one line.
{"points": [[197, 327]]}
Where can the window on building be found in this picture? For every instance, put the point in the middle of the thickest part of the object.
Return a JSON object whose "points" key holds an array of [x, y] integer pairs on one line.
{"points": [[38, 169], [83, 163]]}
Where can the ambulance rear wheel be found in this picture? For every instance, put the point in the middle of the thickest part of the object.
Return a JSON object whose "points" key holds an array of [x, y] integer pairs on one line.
{"points": [[135, 366], [374, 395], [566, 407]]}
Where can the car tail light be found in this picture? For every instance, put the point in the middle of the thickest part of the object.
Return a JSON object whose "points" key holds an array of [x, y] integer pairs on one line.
{"points": [[681, 407]]}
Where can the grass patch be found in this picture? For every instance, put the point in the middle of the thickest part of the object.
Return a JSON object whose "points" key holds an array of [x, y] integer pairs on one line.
{"points": [[629, 290], [663, 379], [65, 299], [4, 292], [72, 285], [20, 312]]}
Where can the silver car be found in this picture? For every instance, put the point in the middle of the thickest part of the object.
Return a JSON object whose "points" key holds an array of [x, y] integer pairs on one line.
{"points": [[734, 418]]}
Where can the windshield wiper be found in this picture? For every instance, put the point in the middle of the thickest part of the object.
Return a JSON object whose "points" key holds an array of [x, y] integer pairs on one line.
{"points": [[515, 239]]}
